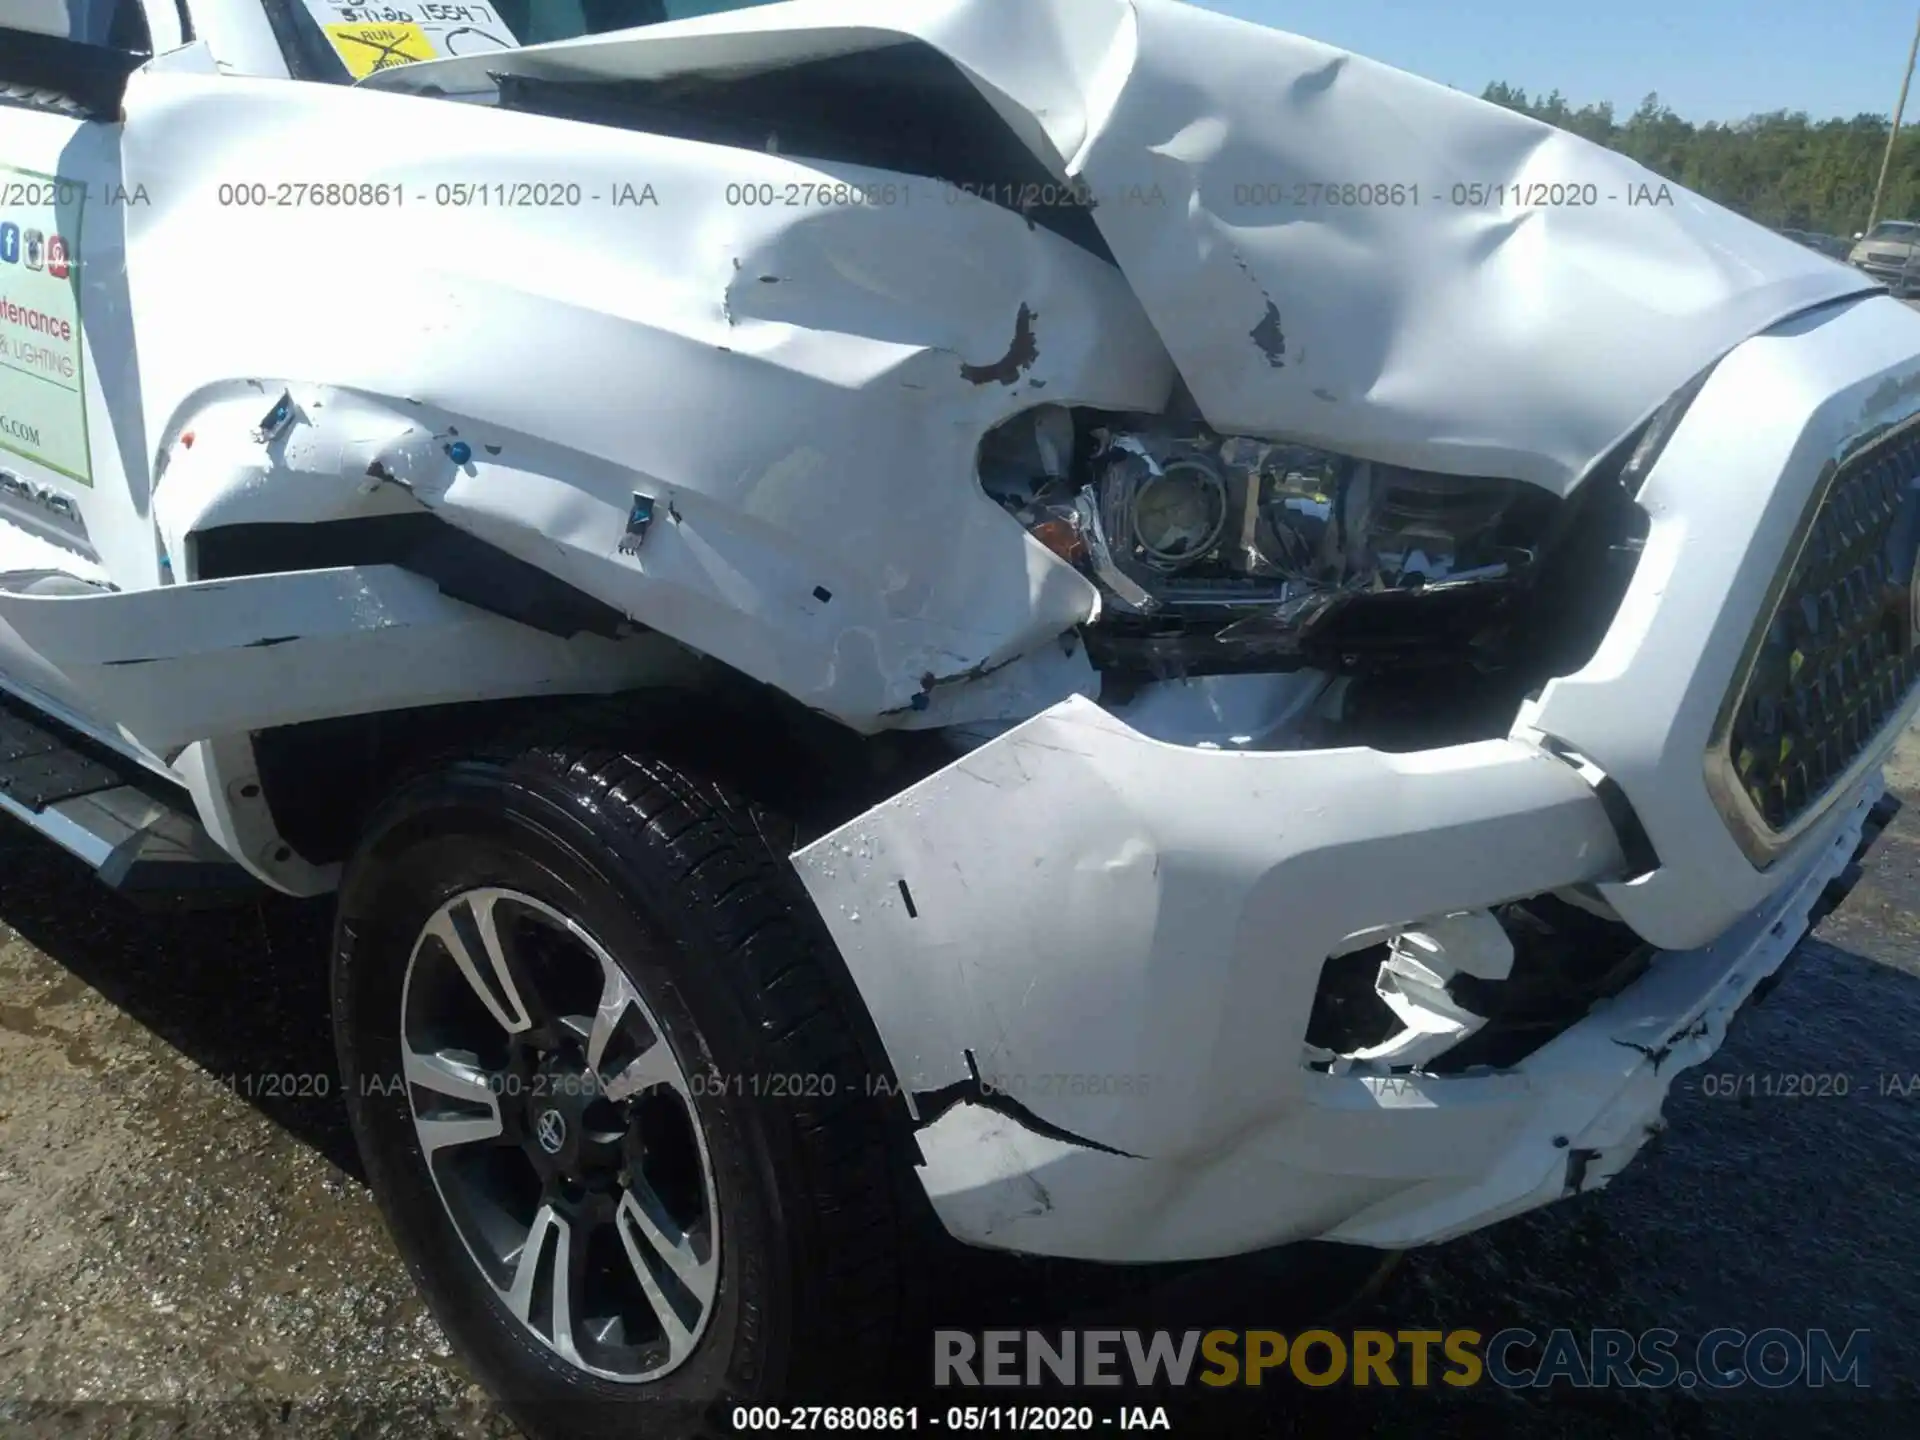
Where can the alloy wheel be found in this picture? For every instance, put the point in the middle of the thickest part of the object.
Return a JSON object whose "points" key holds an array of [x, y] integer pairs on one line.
{"points": [[561, 1135]]}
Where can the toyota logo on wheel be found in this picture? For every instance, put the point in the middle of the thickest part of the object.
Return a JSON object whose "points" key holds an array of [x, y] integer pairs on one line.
{"points": [[551, 1131]]}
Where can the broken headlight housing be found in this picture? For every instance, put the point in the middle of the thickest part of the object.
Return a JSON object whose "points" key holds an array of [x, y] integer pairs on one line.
{"points": [[1214, 551]]}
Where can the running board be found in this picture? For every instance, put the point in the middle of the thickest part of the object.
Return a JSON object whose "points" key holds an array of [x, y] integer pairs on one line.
{"points": [[108, 811]]}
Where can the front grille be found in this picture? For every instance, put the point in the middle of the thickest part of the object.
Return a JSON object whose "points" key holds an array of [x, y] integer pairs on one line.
{"points": [[1837, 659]]}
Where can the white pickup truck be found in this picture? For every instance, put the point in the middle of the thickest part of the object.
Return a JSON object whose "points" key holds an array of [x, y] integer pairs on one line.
{"points": [[1074, 616]]}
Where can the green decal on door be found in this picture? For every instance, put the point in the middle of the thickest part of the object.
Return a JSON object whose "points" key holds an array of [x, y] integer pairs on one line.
{"points": [[43, 410]]}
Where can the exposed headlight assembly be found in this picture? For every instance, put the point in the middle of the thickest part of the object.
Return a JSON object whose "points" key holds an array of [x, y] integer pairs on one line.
{"points": [[1262, 548]]}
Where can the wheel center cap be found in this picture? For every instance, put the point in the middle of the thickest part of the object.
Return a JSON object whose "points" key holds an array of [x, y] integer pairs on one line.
{"points": [[566, 1126]]}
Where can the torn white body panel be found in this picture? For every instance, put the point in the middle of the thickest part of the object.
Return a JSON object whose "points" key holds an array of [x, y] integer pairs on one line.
{"points": [[1330, 248]]}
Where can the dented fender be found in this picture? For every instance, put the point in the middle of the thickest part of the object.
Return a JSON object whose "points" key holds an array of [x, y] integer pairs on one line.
{"points": [[798, 393]]}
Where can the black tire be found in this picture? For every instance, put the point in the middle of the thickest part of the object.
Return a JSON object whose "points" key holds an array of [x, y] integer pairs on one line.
{"points": [[676, 879]]}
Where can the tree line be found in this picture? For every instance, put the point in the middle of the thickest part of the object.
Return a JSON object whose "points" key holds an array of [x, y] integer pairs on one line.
{"points": [[1780, 168]]}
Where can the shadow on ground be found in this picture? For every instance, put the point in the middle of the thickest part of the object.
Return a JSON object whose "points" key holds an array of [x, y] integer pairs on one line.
{"points": [[241, 992]]}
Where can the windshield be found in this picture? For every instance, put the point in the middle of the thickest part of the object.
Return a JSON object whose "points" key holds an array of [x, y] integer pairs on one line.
{"points": [[1895, 230], [114, 24], [537, 21], [374, 37]]}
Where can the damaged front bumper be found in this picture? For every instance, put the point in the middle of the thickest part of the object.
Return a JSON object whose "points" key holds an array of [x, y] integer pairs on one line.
{"points": [[1092, 958]]}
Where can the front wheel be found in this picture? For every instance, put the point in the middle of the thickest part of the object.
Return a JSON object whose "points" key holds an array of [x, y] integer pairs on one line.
{"points": [[606, 1098]]}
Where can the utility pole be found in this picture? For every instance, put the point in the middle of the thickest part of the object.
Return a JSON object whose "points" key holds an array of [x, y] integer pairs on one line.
{"points": [[1899, 109]]}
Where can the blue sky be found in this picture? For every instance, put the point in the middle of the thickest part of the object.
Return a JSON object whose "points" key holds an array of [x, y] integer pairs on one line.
{"points": [[1709, 59]]}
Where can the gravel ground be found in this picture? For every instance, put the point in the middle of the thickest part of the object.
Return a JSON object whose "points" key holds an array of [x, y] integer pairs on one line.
{"points": [[186, 1247]]}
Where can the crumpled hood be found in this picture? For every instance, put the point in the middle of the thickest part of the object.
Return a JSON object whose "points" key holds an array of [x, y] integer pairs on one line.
{"points": [[1331, 249]]}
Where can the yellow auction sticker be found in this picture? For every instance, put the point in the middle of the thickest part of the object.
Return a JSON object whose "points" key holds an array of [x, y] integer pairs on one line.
{"points": [[367, 48]]}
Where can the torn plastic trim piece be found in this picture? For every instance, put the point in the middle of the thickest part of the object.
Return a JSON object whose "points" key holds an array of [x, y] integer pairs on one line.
{"points": [[462, 565], [1365, 1159], [930, 1105]]}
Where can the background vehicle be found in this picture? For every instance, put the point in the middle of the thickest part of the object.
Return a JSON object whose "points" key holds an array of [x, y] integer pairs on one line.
{"points": [[846, 658], [1814, 240], [1888, 252]]}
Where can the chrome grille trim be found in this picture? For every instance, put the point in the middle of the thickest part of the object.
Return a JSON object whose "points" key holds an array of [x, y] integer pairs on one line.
{"points": [[1830, 668]]}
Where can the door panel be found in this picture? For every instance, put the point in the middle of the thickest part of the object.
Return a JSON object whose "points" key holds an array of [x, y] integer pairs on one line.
{"points": [[70, 426], [74, 466]]}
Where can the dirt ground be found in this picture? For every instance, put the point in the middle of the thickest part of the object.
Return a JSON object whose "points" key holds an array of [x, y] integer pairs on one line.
{"points": [[185, 1247]]}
